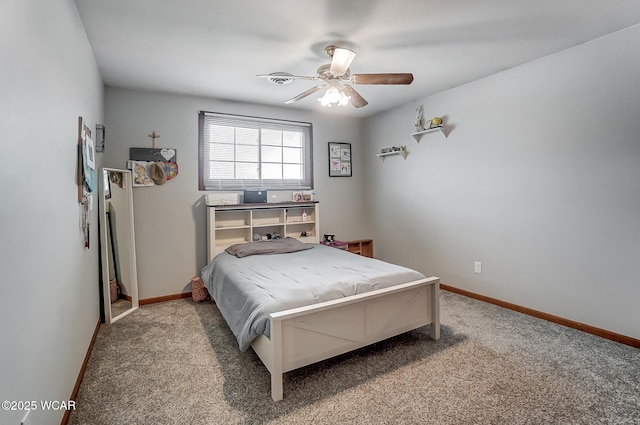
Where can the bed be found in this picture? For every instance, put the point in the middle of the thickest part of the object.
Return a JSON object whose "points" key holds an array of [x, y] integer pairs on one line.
{"points": [[313, 302]]}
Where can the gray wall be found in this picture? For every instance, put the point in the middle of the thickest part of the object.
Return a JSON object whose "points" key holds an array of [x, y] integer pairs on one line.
{"points": [[170, 220], [49, 300], [539, 180]]}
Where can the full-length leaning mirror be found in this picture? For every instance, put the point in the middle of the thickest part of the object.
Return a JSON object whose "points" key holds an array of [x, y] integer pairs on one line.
{"points": [[117, 245]]}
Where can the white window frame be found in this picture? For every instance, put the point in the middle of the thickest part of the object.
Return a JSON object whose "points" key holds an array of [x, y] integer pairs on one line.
{"points": [[206, 153]]}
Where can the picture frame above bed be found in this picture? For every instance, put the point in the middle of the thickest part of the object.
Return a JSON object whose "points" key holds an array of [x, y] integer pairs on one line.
{"points": [[340, 159]]}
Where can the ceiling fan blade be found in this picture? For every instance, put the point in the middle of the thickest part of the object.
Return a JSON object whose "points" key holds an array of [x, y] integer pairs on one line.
{"points": [[284, 76], [356, 100], [341, 61], [305, 94], [381, 78]]}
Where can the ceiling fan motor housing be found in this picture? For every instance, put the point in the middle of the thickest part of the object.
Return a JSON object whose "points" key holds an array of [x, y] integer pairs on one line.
{"points": [[324, 72]]}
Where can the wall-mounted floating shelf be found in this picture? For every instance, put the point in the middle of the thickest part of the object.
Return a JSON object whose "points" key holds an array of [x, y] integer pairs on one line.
{"points": [[418, 135], [399, 150]]}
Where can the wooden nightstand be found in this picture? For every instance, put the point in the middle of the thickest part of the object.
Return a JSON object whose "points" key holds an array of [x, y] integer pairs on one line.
{"points": [[363, 247]]}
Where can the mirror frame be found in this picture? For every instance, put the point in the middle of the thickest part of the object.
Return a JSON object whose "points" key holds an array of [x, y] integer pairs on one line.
{"points": [[104, 257]]}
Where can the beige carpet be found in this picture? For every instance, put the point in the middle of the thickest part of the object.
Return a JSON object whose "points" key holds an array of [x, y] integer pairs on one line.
{"points": [[178, 363], [119, 307]]}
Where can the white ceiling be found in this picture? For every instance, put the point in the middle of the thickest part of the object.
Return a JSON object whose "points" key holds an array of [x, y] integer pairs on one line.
{"points": [[215, 48]]}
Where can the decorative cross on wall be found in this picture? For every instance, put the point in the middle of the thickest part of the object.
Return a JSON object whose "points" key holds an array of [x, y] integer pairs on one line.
{"points": [[154, 136]]}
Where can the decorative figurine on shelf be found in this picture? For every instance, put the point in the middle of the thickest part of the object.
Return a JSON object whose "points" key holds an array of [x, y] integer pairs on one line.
{"points": [[418, 122], [435, 122]]}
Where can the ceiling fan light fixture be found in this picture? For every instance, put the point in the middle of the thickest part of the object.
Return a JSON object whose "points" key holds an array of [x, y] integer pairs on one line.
{"points": [[341, 60], [333, 96]]}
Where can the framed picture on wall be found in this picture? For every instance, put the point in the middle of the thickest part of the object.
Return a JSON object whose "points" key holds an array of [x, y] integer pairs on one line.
{"points": [[339, 159]]}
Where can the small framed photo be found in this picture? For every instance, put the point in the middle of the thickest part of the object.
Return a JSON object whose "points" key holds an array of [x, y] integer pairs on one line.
{"points": [[90, 154], [141, 173], [339, 159], [304, 196]]}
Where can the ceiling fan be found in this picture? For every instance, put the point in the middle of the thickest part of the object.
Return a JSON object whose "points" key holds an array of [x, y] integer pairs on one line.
{"points": [[334, 77]]}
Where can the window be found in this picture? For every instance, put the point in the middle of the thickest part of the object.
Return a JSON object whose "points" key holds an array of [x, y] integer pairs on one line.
{"points": [[238, 152]]}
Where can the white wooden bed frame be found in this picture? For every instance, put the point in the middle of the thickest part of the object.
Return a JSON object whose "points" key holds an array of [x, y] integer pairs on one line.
{"points": [[306, 335]]}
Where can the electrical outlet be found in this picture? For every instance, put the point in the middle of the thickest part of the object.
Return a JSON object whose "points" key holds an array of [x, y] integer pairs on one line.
{"points": [[478, 267], [26, 420]]}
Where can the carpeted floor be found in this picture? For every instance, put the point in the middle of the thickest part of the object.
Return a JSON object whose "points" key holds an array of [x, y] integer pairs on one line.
{"points": [[119, 307], [178, 363]]}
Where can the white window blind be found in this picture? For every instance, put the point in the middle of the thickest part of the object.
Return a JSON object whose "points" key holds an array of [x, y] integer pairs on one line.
{"points": [[239, 152]]}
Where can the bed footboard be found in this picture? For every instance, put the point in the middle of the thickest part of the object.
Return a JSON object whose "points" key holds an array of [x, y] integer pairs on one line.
{"points": [[306, 335]]}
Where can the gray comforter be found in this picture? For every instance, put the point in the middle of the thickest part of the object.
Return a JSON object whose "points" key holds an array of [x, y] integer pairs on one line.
{"points": [[247, 290]]}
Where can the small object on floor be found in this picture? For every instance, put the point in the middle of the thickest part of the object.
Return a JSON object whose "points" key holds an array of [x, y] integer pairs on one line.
{"points": [[114, 290], [199, 292]]}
